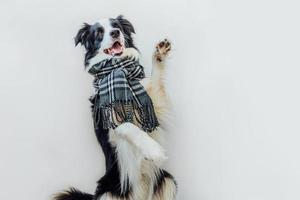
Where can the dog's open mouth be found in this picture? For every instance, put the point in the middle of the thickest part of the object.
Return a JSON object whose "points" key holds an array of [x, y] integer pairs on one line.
{"points": [[115, 49]]}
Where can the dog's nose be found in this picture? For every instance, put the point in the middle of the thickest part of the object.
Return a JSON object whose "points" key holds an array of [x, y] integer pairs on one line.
{"points": [[115, 33]]}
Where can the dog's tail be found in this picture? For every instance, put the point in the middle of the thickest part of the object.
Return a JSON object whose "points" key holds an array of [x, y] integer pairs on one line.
{"points": [[73, 194]]}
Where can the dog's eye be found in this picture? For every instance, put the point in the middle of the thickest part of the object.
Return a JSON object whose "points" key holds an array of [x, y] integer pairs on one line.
{"points": [[114, 24]]}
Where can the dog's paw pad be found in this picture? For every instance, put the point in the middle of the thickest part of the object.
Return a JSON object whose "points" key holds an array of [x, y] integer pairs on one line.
{"points": [[162, 50]]}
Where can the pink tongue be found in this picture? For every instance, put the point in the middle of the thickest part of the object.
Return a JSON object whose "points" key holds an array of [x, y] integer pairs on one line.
{"points": [[115, 49]]}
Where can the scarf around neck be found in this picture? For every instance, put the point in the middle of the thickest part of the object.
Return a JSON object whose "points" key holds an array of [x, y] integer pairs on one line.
{"points": [[119, 95]]}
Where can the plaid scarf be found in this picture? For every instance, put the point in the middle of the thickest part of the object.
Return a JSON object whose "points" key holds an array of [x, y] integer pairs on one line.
{"points": [[119, 96]]}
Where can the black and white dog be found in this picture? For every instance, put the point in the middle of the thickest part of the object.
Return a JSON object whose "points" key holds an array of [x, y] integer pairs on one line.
{"points": [[133, 157]]}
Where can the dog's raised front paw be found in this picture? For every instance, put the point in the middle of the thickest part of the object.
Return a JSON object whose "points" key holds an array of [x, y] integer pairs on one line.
{"points": [[130, 53], [162, 50], [154, 152]]}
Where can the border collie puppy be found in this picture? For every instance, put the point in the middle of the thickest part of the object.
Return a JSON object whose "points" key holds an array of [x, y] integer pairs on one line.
{"points": [[133, 157]]}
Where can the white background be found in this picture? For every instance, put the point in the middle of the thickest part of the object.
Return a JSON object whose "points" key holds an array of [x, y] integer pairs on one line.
{"points": [[233, 79]]}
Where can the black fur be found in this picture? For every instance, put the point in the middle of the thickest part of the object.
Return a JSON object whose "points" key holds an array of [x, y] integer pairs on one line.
{"points": [[90, 36], [110, 182], [161, 178], [73, 194], [127, 29]]}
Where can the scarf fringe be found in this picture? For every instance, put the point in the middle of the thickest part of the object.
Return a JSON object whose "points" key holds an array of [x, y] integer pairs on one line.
{"points": [[119, 95], [118, 112]]}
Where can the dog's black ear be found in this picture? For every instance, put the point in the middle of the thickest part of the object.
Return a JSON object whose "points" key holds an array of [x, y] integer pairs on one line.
{"points": [[126, 25], [82, 36]]}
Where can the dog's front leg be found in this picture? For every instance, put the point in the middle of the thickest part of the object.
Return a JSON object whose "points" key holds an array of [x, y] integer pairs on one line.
{"points": [[160, 55], [149, 148]]}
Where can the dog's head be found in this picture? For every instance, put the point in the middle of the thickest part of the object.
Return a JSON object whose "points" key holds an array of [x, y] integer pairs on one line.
{"points": [[108, 36]]}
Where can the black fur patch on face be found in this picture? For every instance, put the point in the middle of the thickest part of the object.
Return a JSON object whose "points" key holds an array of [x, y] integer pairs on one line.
{"points": [[90, 36], [127, 29]]}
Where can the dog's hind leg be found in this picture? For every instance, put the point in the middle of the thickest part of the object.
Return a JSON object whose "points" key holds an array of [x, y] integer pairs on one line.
{"points": [[165, 187], [109, 186]]}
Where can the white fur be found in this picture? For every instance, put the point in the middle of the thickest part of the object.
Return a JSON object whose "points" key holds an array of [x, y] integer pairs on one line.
{"points": [[139, 154], [131, 52], [106, 42], [129, 160], [148, 147], [167, 191], [108, 196], [96, 59]]}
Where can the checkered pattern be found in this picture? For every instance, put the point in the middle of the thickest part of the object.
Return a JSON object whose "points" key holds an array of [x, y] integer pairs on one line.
{"points": [[119, 95]]}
